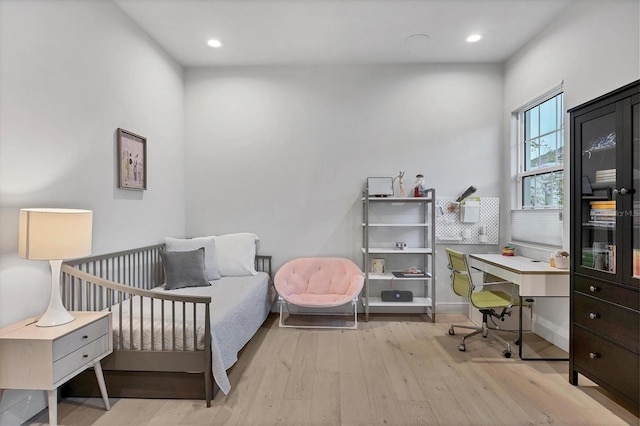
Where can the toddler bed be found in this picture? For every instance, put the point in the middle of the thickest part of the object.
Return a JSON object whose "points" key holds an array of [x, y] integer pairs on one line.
{"points": [[170, 344]]}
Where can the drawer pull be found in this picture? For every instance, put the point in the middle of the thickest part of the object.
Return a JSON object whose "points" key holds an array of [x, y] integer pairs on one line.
{"points": [[594, 315], [593, 288], [85, 337], [594, 355], [85, 356]]}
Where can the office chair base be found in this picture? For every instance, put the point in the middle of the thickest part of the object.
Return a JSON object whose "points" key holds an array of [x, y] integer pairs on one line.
{"points": [[484, 329]]}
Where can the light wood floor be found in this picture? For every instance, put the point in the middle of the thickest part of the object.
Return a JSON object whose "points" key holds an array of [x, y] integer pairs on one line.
{"points": [[392, 370]]}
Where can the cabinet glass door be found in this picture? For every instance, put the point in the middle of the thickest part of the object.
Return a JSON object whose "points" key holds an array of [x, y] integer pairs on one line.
{"points": [[598, 210], [635, 151]]}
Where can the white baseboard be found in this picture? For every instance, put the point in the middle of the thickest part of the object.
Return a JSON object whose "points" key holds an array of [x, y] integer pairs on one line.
{"points": [[552, 333], [18, 406], [452, 307]]}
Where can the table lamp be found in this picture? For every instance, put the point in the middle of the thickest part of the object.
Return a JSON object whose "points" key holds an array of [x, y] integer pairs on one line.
{"points": [[54, 235]]}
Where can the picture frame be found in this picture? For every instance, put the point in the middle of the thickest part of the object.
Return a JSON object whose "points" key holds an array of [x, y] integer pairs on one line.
{"points": [[380, 186], [132, 160]]}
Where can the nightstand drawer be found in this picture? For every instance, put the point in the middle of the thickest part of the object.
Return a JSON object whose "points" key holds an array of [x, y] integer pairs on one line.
{"points": [[79, 358], [79, 338], [616, 323]]}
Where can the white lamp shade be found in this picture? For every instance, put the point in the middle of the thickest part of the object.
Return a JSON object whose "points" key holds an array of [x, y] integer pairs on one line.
{"points": [[48, 234]]}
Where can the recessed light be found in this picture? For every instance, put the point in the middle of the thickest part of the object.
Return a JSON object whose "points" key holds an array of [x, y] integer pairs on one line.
{"points": [[474, 37], [214, 43]]}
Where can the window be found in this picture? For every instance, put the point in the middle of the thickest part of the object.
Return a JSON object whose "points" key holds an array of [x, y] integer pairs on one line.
{"points": [[539, 180], [541, 173]]}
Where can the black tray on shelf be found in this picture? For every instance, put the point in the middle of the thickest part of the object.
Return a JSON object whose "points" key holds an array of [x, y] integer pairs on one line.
{"points": [[400, 274]]}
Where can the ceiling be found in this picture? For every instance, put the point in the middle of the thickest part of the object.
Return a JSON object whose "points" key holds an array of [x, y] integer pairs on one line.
{"points": [[285, 32]]}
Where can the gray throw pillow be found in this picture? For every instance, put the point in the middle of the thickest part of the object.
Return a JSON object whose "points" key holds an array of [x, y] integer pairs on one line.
{"points": [[188, 244], [184, 269]]}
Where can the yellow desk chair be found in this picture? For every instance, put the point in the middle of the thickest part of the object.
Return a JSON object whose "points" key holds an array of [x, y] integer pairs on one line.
{"points": [[488, 302]]}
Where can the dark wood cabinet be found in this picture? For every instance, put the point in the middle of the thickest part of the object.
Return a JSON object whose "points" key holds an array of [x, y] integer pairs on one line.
{"points": [[605, 243]]}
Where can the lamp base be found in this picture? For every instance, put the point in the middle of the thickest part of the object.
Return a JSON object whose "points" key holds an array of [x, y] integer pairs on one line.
{"points": [[51, 318], [56, 313]]}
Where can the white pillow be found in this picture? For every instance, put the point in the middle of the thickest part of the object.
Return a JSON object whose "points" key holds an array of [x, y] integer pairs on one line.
{"points": [[236, 254], [189, 244]]}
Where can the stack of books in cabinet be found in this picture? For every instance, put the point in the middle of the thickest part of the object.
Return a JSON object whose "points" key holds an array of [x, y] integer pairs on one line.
{"points": [[603, 213]]}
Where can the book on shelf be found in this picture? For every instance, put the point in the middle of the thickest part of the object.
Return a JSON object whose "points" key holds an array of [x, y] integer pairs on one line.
{"points": [[601, 223], [606, 219], [636, 263], [603, 215], [604, 257], [606, 204], [603, 212]]}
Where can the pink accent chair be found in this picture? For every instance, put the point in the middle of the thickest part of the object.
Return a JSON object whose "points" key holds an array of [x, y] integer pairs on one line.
{"points": [[319, 282]]}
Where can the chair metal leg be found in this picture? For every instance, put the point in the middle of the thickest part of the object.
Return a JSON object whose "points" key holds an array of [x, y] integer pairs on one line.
{"points": [[472, 334], [484, 329], [281, 302], [354, 304]]}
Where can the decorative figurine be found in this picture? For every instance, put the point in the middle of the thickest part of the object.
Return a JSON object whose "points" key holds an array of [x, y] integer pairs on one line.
{"points": [[418, 191], [400, 184]]}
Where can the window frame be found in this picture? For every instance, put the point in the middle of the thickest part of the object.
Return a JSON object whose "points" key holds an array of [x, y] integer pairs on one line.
{"points": [[521, 174]]}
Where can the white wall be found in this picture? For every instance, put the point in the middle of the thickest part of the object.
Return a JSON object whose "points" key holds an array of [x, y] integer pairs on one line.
{"points": [[71, 72], [282, 152], [285, 151], [594, 47]]}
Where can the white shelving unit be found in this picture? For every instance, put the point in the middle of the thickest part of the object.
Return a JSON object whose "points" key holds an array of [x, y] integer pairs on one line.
{"points": [[402, 218]]}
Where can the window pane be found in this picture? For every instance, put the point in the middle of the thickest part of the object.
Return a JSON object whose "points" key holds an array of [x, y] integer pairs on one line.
{"points": [[544, 190], [560, 147], [551, 150], [531, 123], [548, 151], [529, 191], [558, 189], [548, 115], [531, 155]]}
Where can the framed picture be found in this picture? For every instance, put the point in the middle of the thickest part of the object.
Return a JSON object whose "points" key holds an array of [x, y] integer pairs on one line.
{"points": [[132, 160], [380, 186]]}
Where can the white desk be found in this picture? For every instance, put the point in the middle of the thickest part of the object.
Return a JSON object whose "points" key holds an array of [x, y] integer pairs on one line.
{"points": [[534, 279]]}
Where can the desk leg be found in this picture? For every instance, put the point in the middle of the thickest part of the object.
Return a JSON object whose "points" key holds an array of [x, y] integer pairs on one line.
{"points": [[521, 339], [52, 397], [520, 331], [97, 367]]}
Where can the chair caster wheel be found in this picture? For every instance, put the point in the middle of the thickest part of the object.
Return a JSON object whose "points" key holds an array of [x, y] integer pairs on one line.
{"points": [[462, 348], [506, 354], [451, 332], [517, 342]]}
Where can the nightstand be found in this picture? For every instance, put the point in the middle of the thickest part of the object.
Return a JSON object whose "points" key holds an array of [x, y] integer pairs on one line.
{"points": [[46, 357]]}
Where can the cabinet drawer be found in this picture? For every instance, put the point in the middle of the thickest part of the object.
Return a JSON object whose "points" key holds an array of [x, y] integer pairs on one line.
{"points": [[613, 365], [609, 292], [73, 341], [616, 323], [79, 358]]}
